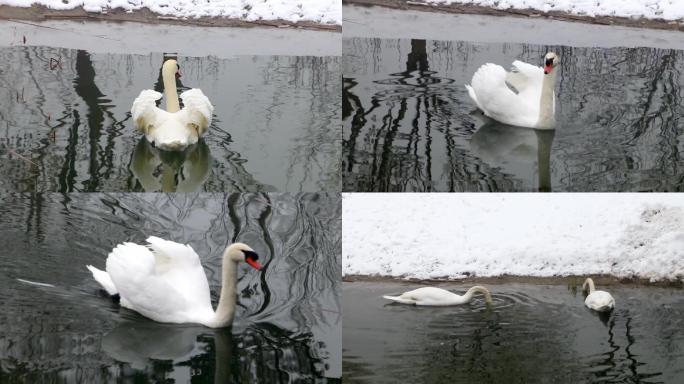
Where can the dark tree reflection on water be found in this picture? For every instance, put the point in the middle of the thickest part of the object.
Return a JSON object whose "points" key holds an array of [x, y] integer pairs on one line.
{"points": [[408, 122], [288, 321]]}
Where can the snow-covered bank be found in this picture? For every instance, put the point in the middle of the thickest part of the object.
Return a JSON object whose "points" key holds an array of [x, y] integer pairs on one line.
{"points": [[649, 9], [318, 11], [459, 235]]}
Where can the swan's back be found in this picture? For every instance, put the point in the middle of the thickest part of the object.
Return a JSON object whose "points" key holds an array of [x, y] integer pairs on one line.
{"points": [[429, 296], [601, 301]]}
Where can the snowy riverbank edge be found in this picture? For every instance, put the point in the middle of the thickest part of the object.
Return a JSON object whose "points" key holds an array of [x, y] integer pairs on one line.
{"points": [[37, 13], [470, 9], [457, 236]]}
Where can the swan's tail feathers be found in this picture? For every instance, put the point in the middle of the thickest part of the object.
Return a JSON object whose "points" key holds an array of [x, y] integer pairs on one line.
{"points": [[399, 299], [103, 278], [167, 251], [471, 93]]}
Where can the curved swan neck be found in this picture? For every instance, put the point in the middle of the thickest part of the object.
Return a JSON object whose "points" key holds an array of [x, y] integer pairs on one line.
{"points": [[170, 93], [226, 307], [588, 283], [546, 102], [477, 289]]}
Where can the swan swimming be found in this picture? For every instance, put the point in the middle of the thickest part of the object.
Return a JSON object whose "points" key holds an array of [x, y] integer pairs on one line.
{"points": [[174, 129], [524, 97], [165, 281], [431, 296], [600, 301]]}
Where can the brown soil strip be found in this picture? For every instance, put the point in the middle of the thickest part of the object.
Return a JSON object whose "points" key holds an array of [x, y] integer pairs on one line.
{"points": [[554, 15], [602, 280], [41, 13]]}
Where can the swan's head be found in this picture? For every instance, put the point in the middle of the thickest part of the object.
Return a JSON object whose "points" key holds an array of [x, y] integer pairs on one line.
{"points": [[171, 67], [482, 290], [239, 252], [551, 60]]}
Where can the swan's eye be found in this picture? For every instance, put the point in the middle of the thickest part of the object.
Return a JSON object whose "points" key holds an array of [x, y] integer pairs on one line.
{"points": [[549, 61], [251, 255], [251, 259]]}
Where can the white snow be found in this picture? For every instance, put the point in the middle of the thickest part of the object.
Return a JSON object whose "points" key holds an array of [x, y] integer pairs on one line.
{"points": [[456, 235], [650, 9], [319, 11]]}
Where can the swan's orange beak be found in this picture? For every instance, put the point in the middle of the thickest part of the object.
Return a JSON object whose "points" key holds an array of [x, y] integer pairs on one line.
{"points": [[253, 263], [178, 75], [547, 69]]}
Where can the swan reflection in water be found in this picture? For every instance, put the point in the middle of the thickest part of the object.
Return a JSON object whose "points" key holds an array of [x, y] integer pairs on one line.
{"points": [[166, 171], [261, 351], [515, 150]]}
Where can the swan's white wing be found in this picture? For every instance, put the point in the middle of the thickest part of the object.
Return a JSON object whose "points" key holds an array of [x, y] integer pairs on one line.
{"points": [[179, 265], [198, 109], [169, 254], [145, 111], [499, 102], [524, 75], [131, 267], [424, 296]]}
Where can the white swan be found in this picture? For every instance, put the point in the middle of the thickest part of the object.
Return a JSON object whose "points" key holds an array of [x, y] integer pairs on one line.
{"points": [[523, 97], [431, 296], [166, 282], [175, 128], [600, 301]]}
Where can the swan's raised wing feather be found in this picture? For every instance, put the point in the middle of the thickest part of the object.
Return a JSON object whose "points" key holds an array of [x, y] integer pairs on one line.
{"points": [[131, 267], [180, 266], [524, 75], [198, 109], [167, 253], [145, 110]]}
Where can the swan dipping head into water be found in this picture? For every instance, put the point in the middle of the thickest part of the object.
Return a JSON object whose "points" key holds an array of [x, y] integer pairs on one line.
{"points": [[165, 281], [432, 296]]}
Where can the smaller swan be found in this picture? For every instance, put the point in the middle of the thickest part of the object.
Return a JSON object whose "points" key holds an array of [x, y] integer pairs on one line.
{"points": [[437, 297], [176, 128], [600, 301]]}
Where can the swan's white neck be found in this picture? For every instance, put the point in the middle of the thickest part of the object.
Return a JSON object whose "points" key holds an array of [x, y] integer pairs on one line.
{"points": [[170, 93], [588, 283], [469, 295], [225, 310], [546, 102]]}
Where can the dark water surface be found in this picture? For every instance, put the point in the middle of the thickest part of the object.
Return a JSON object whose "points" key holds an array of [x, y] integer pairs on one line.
{"points": [[65, 123], [409, 124], [288, 320], [532, 334]]}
